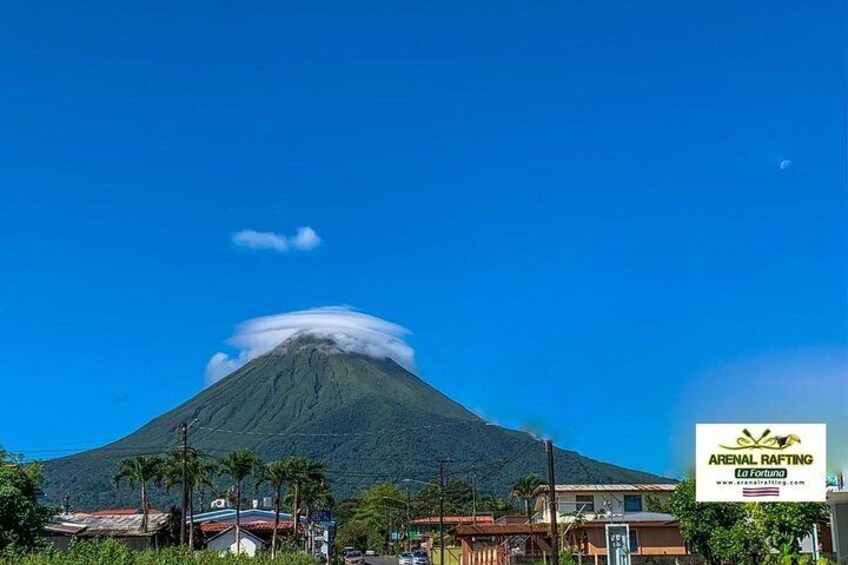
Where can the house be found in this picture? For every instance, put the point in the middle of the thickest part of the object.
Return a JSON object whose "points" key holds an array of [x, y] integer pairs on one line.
{"points": [[120, 524], [257, 522], [225, 542], [592, 500], [624, 517]]}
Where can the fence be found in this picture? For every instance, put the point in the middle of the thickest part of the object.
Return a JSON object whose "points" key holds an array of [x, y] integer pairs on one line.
{"points": [[492, 555]]}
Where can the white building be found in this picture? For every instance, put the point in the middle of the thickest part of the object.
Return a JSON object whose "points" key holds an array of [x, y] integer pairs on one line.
{"points": [[225, 542], [605, 500]]}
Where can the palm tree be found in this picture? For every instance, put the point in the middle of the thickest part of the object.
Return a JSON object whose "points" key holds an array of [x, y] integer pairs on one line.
{"points": [[302, 471], [276, 474], [199, 472], [141, 470], [525, 489], [238, 465], [314, 495]]}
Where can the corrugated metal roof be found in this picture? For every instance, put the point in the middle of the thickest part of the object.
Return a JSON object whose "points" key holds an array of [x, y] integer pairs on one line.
{"points": [[502, 529], [117, 524], [655, 487], [658, 518], [480, 519]]}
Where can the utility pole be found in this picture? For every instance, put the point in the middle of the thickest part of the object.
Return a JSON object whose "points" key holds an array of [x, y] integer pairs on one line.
{"points": [[408, 519], [474, 497], [549, 446], [185, 484], [442, 511]]}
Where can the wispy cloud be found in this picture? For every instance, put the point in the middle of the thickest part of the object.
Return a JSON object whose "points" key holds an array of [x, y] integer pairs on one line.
{"points": [[305, 239], [351, 331]]}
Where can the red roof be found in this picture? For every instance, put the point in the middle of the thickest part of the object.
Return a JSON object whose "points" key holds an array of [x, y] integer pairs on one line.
{"points": [[481, 519], [256, 526]]}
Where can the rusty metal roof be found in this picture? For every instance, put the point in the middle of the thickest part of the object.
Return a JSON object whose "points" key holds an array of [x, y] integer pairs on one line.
{"points": [[502, 529]]}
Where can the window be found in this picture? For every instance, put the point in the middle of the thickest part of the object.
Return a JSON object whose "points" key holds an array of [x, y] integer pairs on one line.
{"points": [[632, 502], [585, 502], [634, 541]]}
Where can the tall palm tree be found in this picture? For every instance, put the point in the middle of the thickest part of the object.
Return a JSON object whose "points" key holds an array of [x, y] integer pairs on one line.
{"points": [[140, 470], [199, 472], [302, 471], [315, 494], [525, 489], [237, 466], [276, 474]]}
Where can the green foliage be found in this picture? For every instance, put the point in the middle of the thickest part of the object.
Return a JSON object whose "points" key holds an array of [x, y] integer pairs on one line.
{"points": [[113, 552], [459, 499], [703, 524], [743, 533], [380, 510], [787, 523], [21, 517], [525, 490]]}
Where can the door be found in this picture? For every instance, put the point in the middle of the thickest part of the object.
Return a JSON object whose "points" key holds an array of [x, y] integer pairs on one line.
{"points": [[618, 544]]}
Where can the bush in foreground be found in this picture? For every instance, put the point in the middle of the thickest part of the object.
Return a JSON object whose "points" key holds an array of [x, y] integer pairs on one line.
{"points": [[111, 552]]}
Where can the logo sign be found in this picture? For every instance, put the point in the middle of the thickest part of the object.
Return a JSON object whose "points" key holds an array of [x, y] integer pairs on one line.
{"points": [[760, 462]]}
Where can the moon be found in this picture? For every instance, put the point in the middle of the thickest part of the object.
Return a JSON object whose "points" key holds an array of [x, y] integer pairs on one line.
{"points": [[785, 164]]}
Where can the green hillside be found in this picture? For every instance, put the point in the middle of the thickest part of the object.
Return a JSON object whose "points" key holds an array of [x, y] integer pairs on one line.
{"points": [[369, 420]]}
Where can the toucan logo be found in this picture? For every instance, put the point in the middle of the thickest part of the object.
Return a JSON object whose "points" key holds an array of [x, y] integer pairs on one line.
{"points": [[766, 441]]}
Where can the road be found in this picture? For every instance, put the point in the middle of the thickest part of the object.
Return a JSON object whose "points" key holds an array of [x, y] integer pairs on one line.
{"points": [[382, 560]]}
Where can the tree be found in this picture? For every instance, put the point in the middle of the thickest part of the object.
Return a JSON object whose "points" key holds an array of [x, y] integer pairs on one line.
{"points": [[382, 507], [315, 495], [525, 490], [459, 498], [141, 470], [199, 473], [22, 519], [290, 471], [704, 524], [787, 523], [302, 471], [498, 506], [237, 466], [742, 533]]}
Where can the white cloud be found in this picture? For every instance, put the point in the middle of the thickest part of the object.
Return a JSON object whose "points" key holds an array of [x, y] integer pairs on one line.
{"points": [[352, 331], [305, 239]]}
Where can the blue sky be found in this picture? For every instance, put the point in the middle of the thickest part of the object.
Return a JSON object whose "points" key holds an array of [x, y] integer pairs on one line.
{"points": [[577, 207]]}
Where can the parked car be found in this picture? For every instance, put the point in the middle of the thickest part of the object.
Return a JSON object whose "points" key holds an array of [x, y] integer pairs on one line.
{"points": [[371, 553], [405, 558], [354, 557], [420, 558]]}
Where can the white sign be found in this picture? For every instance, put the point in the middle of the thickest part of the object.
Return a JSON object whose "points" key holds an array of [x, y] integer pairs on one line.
{"points": [[760, 462]]}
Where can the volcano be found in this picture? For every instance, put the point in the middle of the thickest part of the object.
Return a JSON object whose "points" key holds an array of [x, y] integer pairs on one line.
{"points": [[368, 419]]}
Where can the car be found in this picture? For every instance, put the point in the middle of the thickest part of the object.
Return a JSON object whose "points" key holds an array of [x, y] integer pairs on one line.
{"points": [[405, 558], [371, 553], [420, 558], [354, 557]]}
